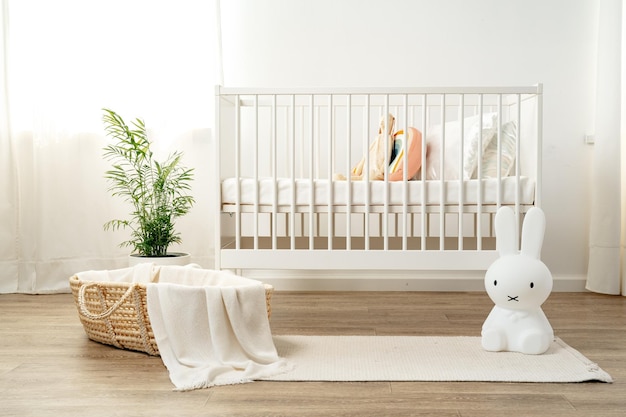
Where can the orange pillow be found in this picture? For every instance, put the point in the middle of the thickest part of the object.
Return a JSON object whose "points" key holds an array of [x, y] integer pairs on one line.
{"points": [[396, 168]]}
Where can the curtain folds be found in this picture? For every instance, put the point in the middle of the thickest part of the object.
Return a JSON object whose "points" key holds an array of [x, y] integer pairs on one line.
{"points": [[62, 62], [608, 209], [8, 194]]}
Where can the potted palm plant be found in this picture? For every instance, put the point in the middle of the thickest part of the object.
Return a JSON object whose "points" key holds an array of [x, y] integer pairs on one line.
{"points": [[157, 191]]}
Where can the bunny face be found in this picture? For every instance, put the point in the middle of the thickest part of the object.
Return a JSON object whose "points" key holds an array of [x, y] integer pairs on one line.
{"points": [[518, 282]]}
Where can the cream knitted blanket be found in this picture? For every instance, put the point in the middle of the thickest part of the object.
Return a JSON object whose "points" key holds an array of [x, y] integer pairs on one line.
{"points": [[211, 328]]}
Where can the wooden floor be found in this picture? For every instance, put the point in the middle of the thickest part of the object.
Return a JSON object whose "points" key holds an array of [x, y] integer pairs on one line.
{"points": [[49, 368]]}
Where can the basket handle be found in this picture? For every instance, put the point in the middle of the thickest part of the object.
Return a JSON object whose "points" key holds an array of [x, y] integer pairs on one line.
{"points": [[83, 308]]}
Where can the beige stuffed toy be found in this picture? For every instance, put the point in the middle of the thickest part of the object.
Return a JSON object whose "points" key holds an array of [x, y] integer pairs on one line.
{"points": [[381, 146]]}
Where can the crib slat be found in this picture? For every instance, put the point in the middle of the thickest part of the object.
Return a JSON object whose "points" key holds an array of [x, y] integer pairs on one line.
{"points": [[425, 167], [330, 173], [366, 216], [499, 154], [518, 164], [238, 172], [292, 136], [442, 179], [256, 173], [349, 172], [311, 173], [386, 177], [274, 140], [460, 233], [479, 205], [405, 173], [539, 145]]}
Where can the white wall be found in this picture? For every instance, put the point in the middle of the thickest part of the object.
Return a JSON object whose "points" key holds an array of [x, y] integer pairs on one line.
{"points": [[444, 42]]}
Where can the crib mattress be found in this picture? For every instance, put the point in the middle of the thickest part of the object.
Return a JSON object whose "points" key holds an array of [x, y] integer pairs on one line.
{"points": [[336, 193]]}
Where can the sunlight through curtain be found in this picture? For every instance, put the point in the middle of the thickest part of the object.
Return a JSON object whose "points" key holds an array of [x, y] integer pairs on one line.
{"points": [[608, 212], [63, 61], [8, 194]]}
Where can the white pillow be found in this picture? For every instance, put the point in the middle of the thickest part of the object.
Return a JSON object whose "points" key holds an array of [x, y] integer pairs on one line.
{"points": [[433, 152], [471, 153], [452, 146], [489, 168]]}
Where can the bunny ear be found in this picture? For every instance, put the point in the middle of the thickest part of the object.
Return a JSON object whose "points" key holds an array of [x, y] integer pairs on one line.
{"points": [[532, 232], [505, 231]]}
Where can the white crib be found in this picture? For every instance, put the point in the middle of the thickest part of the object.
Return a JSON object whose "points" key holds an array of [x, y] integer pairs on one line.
{"points": [[279, 151]]}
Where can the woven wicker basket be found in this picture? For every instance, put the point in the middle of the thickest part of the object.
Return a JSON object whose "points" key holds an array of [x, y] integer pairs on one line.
{"points": [[116, 313]]}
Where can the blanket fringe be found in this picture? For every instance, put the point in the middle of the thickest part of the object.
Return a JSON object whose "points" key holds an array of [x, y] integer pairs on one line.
{"points": [[284, 368]]}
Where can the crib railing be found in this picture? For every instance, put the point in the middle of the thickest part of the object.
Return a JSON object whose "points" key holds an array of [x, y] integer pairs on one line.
{"points": [[279, 144]]}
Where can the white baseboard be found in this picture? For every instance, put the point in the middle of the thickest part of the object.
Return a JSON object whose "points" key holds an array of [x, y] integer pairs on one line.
{"points": [[290, 280]]}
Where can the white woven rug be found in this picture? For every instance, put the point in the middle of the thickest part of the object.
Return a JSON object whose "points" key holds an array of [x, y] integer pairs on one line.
{"points": [[417, 358]]}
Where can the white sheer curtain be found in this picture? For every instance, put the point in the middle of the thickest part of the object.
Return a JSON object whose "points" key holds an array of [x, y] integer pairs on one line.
{"points": [[607, 236], [8, 195], [62, 62]]}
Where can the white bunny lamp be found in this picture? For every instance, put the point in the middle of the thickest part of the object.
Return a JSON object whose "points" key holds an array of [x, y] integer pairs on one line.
{"points": [[518, 283]]}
